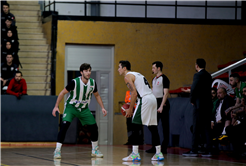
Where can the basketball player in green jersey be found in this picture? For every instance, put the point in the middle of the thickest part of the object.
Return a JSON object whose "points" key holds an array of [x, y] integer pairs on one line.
{"points": [[80, 89]]}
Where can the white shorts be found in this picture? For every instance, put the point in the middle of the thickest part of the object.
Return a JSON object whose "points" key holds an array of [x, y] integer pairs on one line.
{"points": [[146, 111]]}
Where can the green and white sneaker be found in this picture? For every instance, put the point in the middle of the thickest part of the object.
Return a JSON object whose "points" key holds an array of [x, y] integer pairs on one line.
{"points": [[158, 157], [96, 153], [57, 154], [132, 157]]}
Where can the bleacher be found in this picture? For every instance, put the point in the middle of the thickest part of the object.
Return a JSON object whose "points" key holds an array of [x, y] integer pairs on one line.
{"points": [[34, 52]]}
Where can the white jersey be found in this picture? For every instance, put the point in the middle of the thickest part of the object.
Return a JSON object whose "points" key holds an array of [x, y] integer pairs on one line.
{"points": [[146, 109], [141, 84]]}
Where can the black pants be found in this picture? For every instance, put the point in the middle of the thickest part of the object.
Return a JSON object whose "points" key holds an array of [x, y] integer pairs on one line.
{"points": [[65, 125], [216, 132], [130, 130], [217, 129], [164, 117], [201, 126], [237, 136], [136, 137], [7, 84]]}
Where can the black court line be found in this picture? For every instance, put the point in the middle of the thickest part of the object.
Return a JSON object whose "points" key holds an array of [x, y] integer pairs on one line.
{"points": [[44, 159]]}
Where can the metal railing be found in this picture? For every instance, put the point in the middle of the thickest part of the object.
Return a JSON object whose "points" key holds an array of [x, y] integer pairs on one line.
{"points": [[146, 4], [229, 68]]}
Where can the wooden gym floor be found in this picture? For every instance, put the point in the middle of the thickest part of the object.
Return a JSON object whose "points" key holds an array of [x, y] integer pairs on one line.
{"points": [[41, 154]]}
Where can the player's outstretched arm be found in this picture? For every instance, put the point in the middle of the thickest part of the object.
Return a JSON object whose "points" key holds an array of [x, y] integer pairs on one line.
{"points": [[99, 100], [59, 99]]}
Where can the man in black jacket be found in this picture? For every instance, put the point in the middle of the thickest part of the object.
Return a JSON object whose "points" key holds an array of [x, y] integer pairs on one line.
{"points": [[200, 98]]}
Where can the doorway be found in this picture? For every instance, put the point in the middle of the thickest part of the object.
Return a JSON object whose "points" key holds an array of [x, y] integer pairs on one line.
{"points": [[101, 59]]}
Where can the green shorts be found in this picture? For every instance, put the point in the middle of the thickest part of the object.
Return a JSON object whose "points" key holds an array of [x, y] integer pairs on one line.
{"points": [[84, 115]]}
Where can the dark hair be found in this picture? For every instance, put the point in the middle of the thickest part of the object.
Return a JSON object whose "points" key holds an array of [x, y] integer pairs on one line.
{"points": [[244, 87], [126, 64], [85, 66], [235, 75], [201, 63], [224, 89], [10, 18], [5, 4], [214, 89], [158, 64], [9, 53], [18, 72]]}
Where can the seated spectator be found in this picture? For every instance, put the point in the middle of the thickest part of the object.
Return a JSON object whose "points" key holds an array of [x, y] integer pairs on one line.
{"points": [[8, 69], [17, 86], [236, 131], [5, 13], [1, 5], [221, 120], [214, 99], [9, 50], [236, 83], [8, 25]]}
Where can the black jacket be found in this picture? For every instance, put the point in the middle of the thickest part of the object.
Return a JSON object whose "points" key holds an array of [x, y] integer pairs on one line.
{"points": [[200, 94], [8, 72], [228, 102]]}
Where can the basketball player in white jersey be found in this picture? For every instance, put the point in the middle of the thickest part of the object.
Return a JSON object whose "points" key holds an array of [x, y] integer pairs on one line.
{"points": [[145, 112], [80, 89]]}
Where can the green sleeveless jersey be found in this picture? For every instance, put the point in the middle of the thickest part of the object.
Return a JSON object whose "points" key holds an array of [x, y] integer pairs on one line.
{"points": [[80, 97], [239, 92]]}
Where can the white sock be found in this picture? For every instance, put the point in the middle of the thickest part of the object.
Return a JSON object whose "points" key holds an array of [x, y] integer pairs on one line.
{"points": [[135, 149], [158, 149], [58, 146], [94, 144], [224, 132]]}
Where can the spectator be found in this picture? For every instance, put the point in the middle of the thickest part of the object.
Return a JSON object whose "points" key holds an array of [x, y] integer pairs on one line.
{"points": [[1, 5], [129, 123], [238, 85], [17, 85], [214, 99], [236, 131], [221, 120], [8, 69], [5, 13]]}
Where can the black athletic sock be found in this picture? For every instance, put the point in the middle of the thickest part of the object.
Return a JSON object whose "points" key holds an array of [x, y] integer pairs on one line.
{"points": [[62, 133], [93, 129]]}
